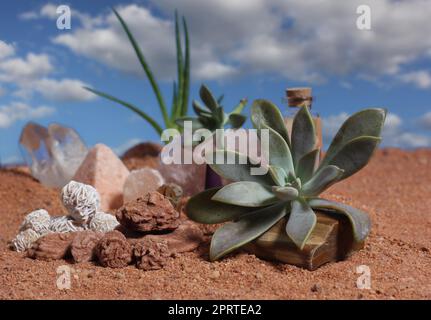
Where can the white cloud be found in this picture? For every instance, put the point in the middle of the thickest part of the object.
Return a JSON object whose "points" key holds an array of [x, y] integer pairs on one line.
{"points": [[31, 74], [425, 120], [63, 90], [6, 50], [49, 11], [331, 124], [110, 45], [299, 40], [394, 134], [18, 111], [214, 70], [410, 140], [421, 78], [23, 70], [28, 15]]}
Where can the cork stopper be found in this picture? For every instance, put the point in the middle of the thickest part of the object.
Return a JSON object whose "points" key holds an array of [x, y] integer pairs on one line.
{"points": [[299, 97]]}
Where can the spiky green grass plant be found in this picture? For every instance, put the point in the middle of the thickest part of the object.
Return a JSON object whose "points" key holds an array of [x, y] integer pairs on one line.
{"points": [[181, 87], [291, 187]]}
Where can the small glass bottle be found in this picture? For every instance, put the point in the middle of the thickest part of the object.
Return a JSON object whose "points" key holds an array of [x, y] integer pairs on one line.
{"points": [[298, 98]]}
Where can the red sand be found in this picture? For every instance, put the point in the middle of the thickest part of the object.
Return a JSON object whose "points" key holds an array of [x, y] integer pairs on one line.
{"points": [[395, 189]]}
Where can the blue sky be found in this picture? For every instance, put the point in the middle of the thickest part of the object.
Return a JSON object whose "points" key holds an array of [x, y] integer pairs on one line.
{"points": [[252, 49]]}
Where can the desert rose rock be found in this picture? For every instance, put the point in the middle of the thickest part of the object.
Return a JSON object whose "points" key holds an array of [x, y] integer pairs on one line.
{"points": [[113, 250], [81, 200], [53, 154], [106, 172], [187, 237], [103, 222], [83, 246], [53, 246], [153, 212], [38, 221], [24, 240], [151, 254], [140, 182], [64, 224]]}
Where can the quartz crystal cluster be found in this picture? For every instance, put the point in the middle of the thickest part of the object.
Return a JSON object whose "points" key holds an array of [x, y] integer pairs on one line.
{"points": [[82, 203], [53, 154]]}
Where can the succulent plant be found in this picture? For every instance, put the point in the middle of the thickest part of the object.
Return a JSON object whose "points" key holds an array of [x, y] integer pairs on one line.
{"points": [[211, 116], [293, 182], [181, 87]]}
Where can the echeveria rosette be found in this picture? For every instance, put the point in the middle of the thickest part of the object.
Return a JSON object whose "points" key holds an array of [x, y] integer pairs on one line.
{"points": [[211, 115], [293, 182]]}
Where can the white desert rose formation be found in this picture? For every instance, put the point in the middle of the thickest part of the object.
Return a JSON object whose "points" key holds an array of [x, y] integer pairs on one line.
{"points": [[82, 202]]}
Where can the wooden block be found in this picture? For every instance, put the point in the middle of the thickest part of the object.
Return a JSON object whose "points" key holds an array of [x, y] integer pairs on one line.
{"points": [[331, 240], [299, 97]]}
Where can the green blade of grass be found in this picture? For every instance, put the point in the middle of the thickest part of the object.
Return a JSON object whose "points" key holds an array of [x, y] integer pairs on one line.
{"points": [[130, 106], [178, 106], [186, 87], [146, 68]]}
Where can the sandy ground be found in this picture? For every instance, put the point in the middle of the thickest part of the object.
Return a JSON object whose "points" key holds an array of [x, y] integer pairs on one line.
{"points": [[395, 188]]}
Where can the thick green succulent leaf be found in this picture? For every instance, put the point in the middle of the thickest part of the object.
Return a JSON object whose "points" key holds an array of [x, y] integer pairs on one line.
{"points": [[239, 107], [367, 122], [360, 221], [199, 109], [246, 194], [236, 120], [208, 98], [208, 122], [196, 124], [233, 235], [278, 175], [301, 223], [307, 165], [303, 134], [279, 152], [354, 155], [201, 208], [285, 193], [263, 112], [219, 115], [321, 181], [241, 170]]}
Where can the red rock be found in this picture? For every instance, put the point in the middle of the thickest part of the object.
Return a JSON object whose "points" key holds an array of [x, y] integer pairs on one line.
{"points": [[113, 250], [53, 246], [151, 254], [106, 172], [152, 212], [187, 237], [140, 182], [84, 244]]}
